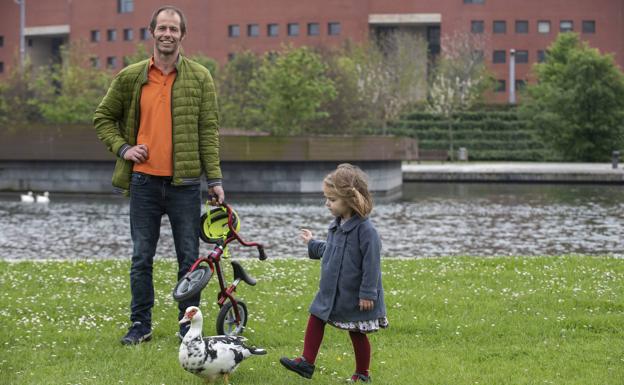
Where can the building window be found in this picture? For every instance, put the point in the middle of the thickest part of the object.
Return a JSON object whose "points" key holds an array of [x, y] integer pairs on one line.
{"points": [[314, 29], [499, 26], [501, 85], [144, 34], [125, 6], [111, 34], [566, 26], [522, 26], [253, 30], [520, 84], [272, 30], [499, 57], [589, 26], [474, 1], [95, 62], [1, 41], [477, 26], [478, 55], [293, 29], [522, 56], [333, 29], [1, 67], [30, 42], [128, 34], [111, 62], [95, 36], [543, 26], [231, 56], [234, 30], [541, 56]]}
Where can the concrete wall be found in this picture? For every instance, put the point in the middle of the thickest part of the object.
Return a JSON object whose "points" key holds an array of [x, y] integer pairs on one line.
{"points": [[239, 177]]}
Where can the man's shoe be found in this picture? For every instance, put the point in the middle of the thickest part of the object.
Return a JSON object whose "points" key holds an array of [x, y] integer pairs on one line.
{"points": [[299, 366], [137, 333], [184, 328]]}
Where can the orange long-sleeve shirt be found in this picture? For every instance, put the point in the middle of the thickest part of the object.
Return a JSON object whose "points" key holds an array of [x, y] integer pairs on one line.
{"points": [[155, 123]]}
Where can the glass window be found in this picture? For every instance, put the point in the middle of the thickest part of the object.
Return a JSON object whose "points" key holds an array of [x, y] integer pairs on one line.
{"points": [[253, 30], [522, 26], [501, 85], [111, 34], [95, 62], [543, 26], [272, 30], [1, 67], [293, 29], [111, 62], [499, 57], [566, 26], [314, 29], [333, 28], [125, 6], [128, 34], [589, 26], [499, 26], [541, 56], [520, 84], [95, 35], [144, 34], [231, 56], [477, 26], [474, 1], [234, 30], [522, 56], [1, 41]]}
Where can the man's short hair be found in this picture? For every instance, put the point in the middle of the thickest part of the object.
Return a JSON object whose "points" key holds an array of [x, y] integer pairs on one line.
{"points": [[172, 8]]}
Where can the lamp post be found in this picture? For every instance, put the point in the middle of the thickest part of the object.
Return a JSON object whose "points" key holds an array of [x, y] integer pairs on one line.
{"points": [[22, 49], [512, 76]]}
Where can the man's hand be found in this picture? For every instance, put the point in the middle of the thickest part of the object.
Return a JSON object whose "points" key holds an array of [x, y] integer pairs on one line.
{"points": [[306, 235], [217, 195], [366, 304], [138, 154]]}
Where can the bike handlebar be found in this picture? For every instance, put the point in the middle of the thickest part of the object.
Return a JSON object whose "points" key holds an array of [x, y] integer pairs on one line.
{"points": [[261, 254]]}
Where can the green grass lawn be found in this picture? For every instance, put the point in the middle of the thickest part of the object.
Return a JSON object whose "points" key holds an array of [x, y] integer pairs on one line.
{"points": [[551, 320]]}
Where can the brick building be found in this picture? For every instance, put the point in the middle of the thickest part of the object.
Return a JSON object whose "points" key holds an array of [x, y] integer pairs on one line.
{"points": [[113, 28]]}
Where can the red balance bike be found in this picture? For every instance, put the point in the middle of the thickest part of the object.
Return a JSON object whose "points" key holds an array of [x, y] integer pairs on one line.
{"points": [[219, 226]]}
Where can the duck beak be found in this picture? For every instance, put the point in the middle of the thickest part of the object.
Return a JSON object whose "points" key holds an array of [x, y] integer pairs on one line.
{"points": [[185, 319]]}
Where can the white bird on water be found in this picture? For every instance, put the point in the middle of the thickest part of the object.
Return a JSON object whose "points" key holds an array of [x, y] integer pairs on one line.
{"points": [[211, 357], [45, 198], [28, 198]]}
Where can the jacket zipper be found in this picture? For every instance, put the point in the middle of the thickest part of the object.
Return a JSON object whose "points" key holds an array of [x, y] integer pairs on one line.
{"points": [[173, 179]]}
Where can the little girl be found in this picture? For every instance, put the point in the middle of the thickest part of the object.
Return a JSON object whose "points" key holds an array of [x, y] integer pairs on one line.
{"points": [[350, 295]]}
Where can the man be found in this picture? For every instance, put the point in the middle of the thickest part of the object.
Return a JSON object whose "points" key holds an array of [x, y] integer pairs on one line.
{"points": [[159, 117]]}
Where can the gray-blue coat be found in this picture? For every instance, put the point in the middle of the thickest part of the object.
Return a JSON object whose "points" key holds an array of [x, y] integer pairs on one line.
{"points": [[350, 271]]}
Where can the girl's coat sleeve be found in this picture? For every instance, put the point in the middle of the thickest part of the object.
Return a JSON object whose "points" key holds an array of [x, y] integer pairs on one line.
{"points": [[370, 247], [316, 249]]}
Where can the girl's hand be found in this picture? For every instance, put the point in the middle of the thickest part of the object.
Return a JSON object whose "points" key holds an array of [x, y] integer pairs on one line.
{"points": [[366, 304], [306, 235]]}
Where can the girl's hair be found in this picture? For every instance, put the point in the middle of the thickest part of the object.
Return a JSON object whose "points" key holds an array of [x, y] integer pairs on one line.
{"points": [[350, 183]]}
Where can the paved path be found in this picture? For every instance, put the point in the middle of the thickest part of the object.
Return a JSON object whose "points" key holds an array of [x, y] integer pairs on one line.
{"points": [[513, 172]]}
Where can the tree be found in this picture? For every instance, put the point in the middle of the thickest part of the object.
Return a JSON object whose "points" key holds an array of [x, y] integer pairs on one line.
{"points": [[236, 100], [291, 87], [459, 80], [577, 103], [69, 92], [17, 96], [391, 73]]}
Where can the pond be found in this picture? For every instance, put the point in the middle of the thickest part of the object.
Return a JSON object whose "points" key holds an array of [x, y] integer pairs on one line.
{"points": [[430, 219]]}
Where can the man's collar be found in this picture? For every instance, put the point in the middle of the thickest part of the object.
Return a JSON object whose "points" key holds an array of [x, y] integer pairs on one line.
{"points": [[175, 64]]}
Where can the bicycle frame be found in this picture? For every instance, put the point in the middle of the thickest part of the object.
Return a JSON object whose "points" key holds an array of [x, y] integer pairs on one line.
{"points": [[214, 262]]}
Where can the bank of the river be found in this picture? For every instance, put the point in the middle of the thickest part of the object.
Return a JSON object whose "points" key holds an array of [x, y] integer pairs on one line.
{"points": [[460, 321]]}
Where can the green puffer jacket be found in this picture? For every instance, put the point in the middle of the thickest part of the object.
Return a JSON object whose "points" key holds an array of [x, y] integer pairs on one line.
{"points": [[195, 122]]}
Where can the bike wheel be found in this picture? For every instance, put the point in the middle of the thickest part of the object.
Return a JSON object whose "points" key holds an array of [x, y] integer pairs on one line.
{"points": [[191, 285], [226, 320]]}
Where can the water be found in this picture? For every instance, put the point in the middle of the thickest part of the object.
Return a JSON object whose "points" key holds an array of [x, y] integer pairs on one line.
{"points": [[429, 220]]}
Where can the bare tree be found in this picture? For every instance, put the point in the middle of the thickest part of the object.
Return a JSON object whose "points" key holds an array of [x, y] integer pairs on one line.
{"points": [[460, 78]]}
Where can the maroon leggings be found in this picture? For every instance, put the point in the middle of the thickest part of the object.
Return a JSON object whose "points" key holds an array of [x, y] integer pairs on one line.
{"points": [[314, 337]]}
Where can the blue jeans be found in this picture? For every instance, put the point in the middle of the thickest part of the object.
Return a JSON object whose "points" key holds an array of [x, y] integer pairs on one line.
{"points": [[150, 198]]}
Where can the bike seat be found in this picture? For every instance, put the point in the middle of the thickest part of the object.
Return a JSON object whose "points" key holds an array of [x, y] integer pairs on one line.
{"points": [[240, 273]]}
